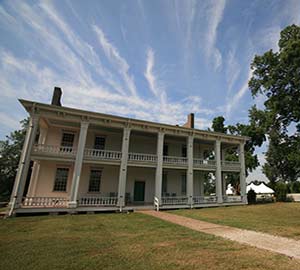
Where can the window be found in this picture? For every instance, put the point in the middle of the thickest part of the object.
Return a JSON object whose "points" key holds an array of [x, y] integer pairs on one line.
{"points": [[67, 139], [164, 184], [183, 184], [183, 151], [166, 150], [95, 180], [61, 179], [99, 143]]}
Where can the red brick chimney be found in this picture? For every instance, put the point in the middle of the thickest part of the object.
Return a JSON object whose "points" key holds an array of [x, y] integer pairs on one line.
{"points": [[190, 121], [56, 98]]}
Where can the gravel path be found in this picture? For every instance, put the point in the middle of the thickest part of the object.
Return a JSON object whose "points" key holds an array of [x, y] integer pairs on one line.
{"points": [[269, 242]]}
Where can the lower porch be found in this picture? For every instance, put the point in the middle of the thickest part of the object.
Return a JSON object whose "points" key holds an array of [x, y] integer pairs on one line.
{"points": [[50, 185]]}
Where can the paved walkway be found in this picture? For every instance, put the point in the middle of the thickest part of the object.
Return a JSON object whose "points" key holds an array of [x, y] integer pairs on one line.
{"points": [[269, 242]]}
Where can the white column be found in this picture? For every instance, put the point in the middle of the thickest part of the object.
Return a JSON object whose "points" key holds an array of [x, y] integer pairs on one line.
{"points": [[159, 166], [242, 172], [218, 171], [33, 179], [224, 187], [78, 164], [190, 171], [123, 167], [36, 165], [19, 185]]}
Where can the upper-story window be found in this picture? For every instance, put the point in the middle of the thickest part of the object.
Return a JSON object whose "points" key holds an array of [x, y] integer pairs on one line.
{"points": [[166, 150], [67, 139], [99, 143], [183, 151], [95, 180], [61, 179]]}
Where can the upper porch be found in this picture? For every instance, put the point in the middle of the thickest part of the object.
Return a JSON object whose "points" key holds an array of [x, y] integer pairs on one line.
{"points": [[58, 140]]}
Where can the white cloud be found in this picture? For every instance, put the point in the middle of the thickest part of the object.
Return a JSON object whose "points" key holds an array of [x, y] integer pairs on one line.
{"points": [[233, 101], [70, 59], [82, 48], [232, 70], [113, 55], [149, 75], [214, 15]]}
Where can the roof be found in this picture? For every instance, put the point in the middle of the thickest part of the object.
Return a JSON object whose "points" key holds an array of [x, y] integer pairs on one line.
{"points": [[29, 105]]}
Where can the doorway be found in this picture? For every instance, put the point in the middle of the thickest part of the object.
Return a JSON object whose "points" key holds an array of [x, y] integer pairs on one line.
{"points": [[139, 191]]}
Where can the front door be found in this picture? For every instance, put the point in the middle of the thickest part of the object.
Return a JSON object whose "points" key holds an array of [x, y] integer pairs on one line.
{"points": [[139, 191]]}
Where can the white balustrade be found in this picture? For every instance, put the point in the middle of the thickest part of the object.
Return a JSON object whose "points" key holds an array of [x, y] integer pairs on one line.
{"points": [[231, 164], [102, 154], [98, 201], [204, 199], [54, 150], [178, 200], [175, 160], [156, 203], [139, 157], [45, 201], [204, 163], [232, 199]]}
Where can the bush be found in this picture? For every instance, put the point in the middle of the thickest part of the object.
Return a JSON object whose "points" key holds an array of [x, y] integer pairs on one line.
{"points": [[281, 190], [295, 187], [251, 196]]}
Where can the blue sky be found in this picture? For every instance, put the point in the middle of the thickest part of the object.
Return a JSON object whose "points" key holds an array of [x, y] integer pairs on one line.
{"points": [[153, 60]]}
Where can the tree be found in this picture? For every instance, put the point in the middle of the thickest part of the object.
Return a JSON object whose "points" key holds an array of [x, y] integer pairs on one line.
{"points": [[257, 137], [252, 130], [10, 150], [218, 124], [276, 75]]}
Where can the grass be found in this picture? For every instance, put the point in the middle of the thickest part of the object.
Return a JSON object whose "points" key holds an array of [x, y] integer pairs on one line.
{"points": [[120, 241], [282, 219]]}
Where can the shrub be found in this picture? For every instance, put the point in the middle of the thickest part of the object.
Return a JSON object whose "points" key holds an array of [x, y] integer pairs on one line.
{"points": [[251, 196], [281, 192], [295, 187]]}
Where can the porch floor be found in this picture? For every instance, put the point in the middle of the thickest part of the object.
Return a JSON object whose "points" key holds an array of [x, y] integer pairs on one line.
{"points": [[130, 207]]}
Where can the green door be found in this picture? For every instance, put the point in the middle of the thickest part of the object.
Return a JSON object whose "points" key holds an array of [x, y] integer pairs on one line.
{"points": [[139, 191]]}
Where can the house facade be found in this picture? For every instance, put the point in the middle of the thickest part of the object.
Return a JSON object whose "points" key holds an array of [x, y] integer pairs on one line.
{"points": [[77, 161]]}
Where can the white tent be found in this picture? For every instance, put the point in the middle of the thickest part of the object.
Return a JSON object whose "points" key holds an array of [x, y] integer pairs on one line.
{"points": [[260, 189], [230, 190]]}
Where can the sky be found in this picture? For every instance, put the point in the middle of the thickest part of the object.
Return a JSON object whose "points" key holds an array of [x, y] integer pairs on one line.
{"points": [[154, 60]]}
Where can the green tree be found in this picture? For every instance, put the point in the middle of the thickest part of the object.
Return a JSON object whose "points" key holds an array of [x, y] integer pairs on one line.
{"points": [[10, 150], [276, 75], [254, 131], [218, 124]]}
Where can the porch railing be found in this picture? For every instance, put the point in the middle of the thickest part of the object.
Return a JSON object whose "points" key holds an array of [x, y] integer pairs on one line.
{"points": [[175, 160], [204, 163], [139, 157], [204, 199], [102, 154], [232, 199], [174, 200], [45, 201], [156, 203], [231, 164], [98, 201], [53, 149]]}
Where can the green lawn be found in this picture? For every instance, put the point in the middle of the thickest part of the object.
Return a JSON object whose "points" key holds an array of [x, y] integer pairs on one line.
{"points": [[281, 219], [122, 241]]}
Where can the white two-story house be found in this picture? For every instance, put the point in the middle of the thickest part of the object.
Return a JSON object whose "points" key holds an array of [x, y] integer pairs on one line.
{"points": [[77, 161]]}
